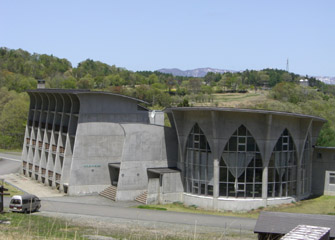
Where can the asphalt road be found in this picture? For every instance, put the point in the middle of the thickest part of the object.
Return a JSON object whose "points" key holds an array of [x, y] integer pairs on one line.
{"points": [[149, 215], [9, 163], [77, 206], [144, 215]]}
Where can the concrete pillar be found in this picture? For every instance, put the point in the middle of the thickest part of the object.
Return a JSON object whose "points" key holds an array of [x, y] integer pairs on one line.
{"points": [[265, 185], [216, 183], [298, 177], [216, 160], [300, 154], [266, 157]]}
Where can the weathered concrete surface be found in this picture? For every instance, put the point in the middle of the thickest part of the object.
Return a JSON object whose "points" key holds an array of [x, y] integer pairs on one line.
{"points": [[266, 127], [323, 160], [145, 147]]}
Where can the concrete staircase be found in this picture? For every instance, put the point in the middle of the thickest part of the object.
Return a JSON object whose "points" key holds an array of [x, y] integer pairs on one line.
{"points": [[109, 193], [142, 198]]}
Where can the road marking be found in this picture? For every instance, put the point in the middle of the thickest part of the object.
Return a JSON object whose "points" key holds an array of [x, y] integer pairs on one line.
{"points": [[11, 159]]}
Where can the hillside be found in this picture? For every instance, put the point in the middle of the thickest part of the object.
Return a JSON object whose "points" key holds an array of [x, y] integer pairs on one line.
{"points": [[270, 89]]}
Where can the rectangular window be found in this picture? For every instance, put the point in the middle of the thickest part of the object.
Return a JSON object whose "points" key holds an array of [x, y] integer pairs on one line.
{"points": [[331, 178], [240, 187]]}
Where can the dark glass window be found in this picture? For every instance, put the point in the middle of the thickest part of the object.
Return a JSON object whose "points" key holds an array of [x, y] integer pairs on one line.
{"points": [[198, 164], [241, 166], [282, 175]]}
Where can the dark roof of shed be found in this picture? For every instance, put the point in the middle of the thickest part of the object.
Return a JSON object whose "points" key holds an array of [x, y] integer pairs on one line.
{"points": [[81, 91], [244, 110], [282, 223]]}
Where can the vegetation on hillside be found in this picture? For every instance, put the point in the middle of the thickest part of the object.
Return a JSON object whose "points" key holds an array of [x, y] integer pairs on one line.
{"points": [[20, 70], [289, 97]]}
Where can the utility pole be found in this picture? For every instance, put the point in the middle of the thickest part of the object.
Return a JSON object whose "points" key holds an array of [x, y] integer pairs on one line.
{"points": [[2, 189]]}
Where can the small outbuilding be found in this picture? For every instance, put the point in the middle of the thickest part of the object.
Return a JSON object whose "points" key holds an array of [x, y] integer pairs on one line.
{"points": [[274, 225]]}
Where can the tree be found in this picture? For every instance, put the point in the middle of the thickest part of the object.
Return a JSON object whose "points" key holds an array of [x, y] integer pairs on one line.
{"points": [[13, 119], [86, 82], [152, 79], [194, 85], [69, 83]]}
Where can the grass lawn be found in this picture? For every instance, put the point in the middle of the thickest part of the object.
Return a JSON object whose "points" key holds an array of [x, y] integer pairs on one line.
{"points": [[11, 151], [235, 99], [32, 226], [317, 205], [11, 190], [29, 226]]}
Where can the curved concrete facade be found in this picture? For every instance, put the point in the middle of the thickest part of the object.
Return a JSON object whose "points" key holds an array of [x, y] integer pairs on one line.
{"points": [[266, 128], [82, 142]]}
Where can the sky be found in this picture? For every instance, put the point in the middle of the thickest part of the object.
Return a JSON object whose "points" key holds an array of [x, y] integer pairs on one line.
{"points": [[185, 34]]}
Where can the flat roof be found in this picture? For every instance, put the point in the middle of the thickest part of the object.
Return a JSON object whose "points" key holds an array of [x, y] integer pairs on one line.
{"points": [[244, 110], [81, 91], [282, 223]]}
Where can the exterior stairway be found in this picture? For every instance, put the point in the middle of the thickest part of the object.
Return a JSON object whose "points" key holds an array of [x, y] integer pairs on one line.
{"points": [[109, 193], [142, 198]]}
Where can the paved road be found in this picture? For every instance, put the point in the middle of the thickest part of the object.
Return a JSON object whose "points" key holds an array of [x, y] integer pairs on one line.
{"points": [[9, 163], [149, 215], [64, 206], [98, 206]]}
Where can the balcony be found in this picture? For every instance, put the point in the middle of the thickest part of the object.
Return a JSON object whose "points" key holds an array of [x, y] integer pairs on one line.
{"points": [[47, 145], [54, 148], [50, 175], [58, 177], [61, 150]]}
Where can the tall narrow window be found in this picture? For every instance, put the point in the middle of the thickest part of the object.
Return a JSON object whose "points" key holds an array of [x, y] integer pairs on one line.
{"points": [[241, 166], [282, 175], [198, 164]]}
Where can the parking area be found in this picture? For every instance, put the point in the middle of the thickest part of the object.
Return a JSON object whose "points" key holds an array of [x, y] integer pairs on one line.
{"points": [[46, 193]]}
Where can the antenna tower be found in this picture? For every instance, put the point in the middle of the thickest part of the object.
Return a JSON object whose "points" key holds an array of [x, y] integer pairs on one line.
{"points": [[287, 66]]}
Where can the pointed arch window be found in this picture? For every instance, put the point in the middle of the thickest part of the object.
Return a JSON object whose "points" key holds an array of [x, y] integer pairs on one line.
{"points": [[198, 164], [282, 175], [241, 166]]}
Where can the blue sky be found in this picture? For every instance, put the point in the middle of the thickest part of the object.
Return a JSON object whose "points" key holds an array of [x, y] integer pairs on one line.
{"points": [[153, 34]]}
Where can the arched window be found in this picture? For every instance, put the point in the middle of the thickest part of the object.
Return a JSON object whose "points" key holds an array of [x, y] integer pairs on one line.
{"points": [[198, 164], [241, 166], [305, 167], [282, 175]]}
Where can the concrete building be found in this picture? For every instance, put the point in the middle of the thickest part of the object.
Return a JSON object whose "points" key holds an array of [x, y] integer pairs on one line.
{"points": [[84, 142]]}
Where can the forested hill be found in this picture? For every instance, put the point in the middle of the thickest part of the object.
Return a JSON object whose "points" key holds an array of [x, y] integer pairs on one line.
{"points": [[20, 70]]}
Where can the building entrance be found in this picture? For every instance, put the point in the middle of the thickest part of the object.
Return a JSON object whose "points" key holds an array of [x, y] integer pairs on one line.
{"points": [[114, 172]]}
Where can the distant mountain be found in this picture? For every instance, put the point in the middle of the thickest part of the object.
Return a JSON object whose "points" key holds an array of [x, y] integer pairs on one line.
{"points": [[198, 72], [327, 80]]}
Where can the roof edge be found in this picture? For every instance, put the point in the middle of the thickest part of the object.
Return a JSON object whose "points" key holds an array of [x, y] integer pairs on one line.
{"points": [[244, 110], [81, 91]]}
